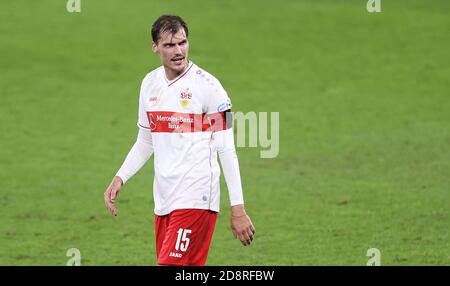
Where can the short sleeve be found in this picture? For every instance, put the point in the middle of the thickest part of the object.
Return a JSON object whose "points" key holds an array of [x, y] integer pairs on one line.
{"points": [[142, 114], [218, 109], [218, 100]]}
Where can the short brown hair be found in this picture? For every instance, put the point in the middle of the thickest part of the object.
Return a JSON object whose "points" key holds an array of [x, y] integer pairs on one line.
{"points": [[168, 23]]}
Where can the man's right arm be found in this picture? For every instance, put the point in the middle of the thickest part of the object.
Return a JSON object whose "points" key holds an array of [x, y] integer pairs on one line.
{"points": [[136, 158], [138, 155]]}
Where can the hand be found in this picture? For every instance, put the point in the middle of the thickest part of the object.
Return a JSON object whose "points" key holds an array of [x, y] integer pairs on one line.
{"points": [[111, 194], [241, 225]]}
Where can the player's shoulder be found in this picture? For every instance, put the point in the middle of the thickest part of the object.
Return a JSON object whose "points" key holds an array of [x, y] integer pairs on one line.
{"points": [[152, 76], [150, 81], [204, 78]]}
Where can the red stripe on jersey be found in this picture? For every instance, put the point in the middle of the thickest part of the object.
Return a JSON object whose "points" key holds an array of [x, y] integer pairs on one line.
{"points": [[170, 122], [220, 120]]}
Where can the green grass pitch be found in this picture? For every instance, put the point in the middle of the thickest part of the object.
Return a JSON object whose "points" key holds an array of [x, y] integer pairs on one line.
{"points": [[364, 103]]}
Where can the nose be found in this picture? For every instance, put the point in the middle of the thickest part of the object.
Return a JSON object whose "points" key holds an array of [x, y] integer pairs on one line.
{"points": [[177, 49]]}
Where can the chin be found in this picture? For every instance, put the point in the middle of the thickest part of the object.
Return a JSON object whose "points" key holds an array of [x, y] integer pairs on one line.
{"points": [[179, 68]]}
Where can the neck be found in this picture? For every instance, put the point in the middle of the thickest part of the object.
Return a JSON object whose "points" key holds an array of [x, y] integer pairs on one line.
{"points": [[171, 74]]}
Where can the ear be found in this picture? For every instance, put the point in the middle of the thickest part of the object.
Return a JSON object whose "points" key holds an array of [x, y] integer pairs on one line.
{"points": [[155, 47]]}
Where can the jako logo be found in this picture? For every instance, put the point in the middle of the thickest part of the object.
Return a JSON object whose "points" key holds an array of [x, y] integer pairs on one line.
{"points": [[374, 6], [175, 254], [73, 6]]}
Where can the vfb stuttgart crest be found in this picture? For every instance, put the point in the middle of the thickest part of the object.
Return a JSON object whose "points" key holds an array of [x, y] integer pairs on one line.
{"points": [[185, 97]]}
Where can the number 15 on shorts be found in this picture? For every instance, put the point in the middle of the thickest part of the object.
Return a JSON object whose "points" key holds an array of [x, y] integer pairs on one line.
{"points": [[182, 239]]}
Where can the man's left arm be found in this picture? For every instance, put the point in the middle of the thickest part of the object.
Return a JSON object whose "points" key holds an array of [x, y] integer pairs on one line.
{"points": [[218, 110], [241, 225]]}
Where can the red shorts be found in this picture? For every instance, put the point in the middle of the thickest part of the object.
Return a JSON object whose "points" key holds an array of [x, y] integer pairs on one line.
{"points": [[183, 236]]}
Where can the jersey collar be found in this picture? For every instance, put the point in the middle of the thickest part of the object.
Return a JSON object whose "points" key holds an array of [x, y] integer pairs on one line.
{"points": [[170, 82]]}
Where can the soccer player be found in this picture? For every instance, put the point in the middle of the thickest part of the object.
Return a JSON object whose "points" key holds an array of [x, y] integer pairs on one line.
{"points": [[184, 120]]}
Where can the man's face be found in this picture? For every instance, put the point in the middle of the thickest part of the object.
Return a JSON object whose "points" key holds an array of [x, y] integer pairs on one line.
{"points": [[173, 50]]}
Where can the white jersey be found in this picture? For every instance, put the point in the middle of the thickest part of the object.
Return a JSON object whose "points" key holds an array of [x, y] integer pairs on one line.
{"points": [[181, 116]]}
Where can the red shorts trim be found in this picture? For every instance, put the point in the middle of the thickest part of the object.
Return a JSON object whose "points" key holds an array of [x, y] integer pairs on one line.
{"points": [[183, 237]]}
